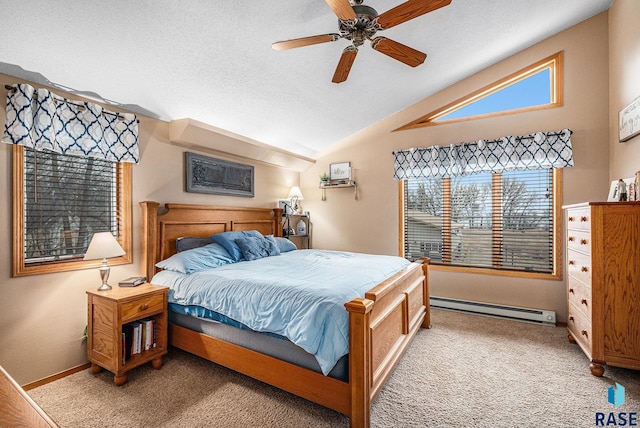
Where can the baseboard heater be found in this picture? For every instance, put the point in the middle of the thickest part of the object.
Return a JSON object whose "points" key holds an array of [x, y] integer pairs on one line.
{"points": [[536, 316]]}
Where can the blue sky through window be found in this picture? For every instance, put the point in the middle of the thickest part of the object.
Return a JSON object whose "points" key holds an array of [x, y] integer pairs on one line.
{"points": [[532, 91]]}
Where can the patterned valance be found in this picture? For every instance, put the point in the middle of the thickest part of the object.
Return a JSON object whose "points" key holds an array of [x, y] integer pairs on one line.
{"points": [[542, 150], [42, 120]]}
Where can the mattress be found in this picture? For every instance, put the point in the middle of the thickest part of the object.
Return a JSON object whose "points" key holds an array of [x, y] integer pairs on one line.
{"points": [[274, 346]]}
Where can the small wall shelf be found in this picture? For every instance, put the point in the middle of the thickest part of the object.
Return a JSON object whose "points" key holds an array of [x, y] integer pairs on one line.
{"points": [[351, 184]]}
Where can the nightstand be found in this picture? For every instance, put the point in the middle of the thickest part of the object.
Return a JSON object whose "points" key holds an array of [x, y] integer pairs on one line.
{"points": [[291, 232], [110, 313]]}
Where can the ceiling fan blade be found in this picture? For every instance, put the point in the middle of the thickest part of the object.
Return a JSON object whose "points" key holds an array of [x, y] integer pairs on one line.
{"points": [[343, 9], [398, 51], [344, 65], [409, 10], [305, 41]]}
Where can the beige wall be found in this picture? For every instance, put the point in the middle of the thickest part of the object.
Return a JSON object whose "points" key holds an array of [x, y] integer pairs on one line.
{"points": [[370, 224], [42, 317], [624, 83]]}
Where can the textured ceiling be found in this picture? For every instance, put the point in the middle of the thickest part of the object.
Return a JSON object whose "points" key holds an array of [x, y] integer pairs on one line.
{"points": [[212, 60]]}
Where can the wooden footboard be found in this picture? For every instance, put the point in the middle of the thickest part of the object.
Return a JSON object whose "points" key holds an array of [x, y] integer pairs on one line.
{"points": [[381, 325]]}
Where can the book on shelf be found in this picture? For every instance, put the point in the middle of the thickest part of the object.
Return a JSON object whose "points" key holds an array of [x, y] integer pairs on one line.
{"points": [[138, 337]]}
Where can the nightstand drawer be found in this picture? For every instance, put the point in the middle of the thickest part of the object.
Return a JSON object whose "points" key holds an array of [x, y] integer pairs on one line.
{"points": [[142, 307]]}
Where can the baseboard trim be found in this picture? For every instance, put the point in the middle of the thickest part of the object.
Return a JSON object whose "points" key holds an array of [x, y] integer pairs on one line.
{"points": [[56, 376]]}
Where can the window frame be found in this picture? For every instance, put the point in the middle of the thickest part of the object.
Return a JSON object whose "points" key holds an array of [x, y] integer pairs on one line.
{"points": [[553, 62], [124, 221], [556, 273]]}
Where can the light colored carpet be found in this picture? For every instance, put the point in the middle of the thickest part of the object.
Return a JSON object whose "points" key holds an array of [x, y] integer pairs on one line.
{"points": [[467, 371]]}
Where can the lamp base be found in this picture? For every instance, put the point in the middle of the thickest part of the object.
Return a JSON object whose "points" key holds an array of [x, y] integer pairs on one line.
{"points": [[104, 276], [104, 287]]}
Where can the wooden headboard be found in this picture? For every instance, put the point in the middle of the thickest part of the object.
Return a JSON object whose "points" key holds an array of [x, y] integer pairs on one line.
{"points": [[160, 231]]}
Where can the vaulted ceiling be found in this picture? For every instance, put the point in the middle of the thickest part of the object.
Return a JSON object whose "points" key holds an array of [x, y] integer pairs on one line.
{"points": [[212, 61]]}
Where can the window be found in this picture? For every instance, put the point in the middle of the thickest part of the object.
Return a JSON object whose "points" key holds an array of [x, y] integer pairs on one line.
{"points": [[60, 201], [492, 222], [535, 87]]}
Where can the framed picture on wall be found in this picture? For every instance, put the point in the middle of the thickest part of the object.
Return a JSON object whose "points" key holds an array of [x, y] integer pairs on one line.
{"points": [[629, 121], [340, 171], [204, 174]]}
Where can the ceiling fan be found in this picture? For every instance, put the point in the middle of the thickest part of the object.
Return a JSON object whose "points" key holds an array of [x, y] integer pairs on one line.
{"points": [[358, 23]]}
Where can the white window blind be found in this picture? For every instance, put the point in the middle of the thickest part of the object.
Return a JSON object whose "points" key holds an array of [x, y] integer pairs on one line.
{"points": [[498, 221], [67, 200]]}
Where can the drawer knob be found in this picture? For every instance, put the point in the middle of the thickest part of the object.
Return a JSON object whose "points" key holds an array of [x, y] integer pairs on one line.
{"points": [[571, 218], [571, 291], [584, 269], [144, 307], [584, 333], [583, 218], [571, 262], [583, 242], [571, 239], [584, 302], [571, 318]]}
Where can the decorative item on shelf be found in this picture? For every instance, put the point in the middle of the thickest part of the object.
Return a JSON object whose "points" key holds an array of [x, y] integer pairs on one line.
{"points": [[340, 172], [103, 245], [324, 179]]}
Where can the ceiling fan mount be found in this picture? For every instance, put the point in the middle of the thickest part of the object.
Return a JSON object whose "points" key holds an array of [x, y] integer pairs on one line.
{"points": [[358, 22]]}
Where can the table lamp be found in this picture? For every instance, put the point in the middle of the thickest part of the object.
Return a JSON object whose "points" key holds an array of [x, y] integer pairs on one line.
{"points": [[103, 245], [295, 195]]}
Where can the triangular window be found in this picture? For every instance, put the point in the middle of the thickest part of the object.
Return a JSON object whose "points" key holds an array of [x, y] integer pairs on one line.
{"points": [[533, 88]]}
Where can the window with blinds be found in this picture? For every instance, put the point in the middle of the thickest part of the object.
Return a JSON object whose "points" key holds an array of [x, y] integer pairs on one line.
{"points": [[60, 201], [67, 200], [494, 221]]}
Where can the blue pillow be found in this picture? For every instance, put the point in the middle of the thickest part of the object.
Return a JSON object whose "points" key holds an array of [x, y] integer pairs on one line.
{"points": [[227, 240], [285, 245], [189, 242], [197, 259], [257, 247]]}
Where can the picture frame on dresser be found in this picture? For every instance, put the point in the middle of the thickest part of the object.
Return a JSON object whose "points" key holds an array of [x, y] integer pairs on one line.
{"points": [[631, 190]]}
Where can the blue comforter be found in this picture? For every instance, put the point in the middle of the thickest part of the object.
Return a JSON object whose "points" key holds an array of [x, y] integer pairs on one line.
{"points": [[299, 295]]}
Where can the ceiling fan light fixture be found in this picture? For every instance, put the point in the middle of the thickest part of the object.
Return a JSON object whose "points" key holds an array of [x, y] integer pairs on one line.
{"points": [[358, 22]]}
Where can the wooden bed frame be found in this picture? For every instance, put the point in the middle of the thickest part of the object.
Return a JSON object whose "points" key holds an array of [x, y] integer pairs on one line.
{"points": [[381, 325]]}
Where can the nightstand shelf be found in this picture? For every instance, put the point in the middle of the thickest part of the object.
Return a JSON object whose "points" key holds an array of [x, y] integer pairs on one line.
{"points": [[109, 311]]}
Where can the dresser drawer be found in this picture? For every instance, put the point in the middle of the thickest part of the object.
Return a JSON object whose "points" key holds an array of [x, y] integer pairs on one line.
{"points": [[142, 307], [579, 218], [579, 266], [580, 328], [579, 240], [579, 295]]}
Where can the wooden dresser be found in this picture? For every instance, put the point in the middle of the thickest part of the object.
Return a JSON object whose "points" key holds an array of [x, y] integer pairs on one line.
{"points": [[603, 282]]}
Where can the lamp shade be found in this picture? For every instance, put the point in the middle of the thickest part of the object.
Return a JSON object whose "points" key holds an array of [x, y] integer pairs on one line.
{"points": [[295, 192], [103, 245]]}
